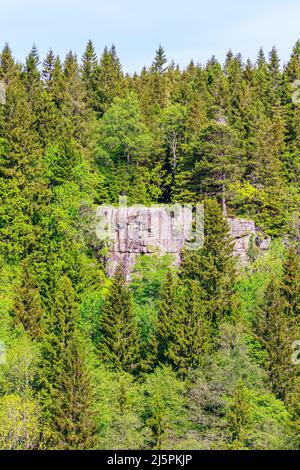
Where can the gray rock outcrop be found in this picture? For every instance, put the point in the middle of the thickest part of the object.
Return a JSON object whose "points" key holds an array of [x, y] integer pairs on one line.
{"points": [[244, 233], [131, 231]]}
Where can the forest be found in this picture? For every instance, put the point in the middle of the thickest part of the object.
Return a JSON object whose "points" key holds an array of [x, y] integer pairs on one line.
{"points": [[197, 356]]}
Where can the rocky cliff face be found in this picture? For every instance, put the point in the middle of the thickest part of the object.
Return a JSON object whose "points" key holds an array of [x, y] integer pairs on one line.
{"points": [[135, 230], [131, 231], [244, 232]]}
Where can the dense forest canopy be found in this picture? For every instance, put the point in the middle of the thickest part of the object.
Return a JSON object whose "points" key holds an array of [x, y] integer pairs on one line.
{"points": [[198, 356]]}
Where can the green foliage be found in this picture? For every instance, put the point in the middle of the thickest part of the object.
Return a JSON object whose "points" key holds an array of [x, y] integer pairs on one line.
{"points": [[20, 426], [213, 266], [64, 378], [109, 80], [28, 308], [119, 341], [74, 418], [148, 277], [118, 409], [183, 329], [197, 357], [238, 415], [229, 404], [164, 408], [291, 283], [273, 331], [217, 163]]}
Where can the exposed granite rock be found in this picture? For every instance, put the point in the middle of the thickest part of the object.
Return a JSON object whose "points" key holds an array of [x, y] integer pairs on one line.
{"points": [[244, 232], [241, 231], [135, 230]]}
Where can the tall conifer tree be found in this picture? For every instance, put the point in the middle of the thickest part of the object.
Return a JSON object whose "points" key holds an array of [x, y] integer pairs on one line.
{"points": [[213, 266], [120, 342], [64, 378], [28, 308]]}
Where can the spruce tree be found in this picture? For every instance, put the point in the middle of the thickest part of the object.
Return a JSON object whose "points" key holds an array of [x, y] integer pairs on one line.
{"points": [[88, 70], [48, 69], [293, 66], [28, 308], [110, 80], [220, 162], [217, 87], [213, 266], [273, 331], [52, 126], [290, 287], [262, 80], [160, 60], [61, 326], [31, 67], [275, 78], [8, 69], [74, 100], [21, 171], [267, 149], [120, 343], [238, 416], [290, 292], [192, 308], [183, 328], [64, 383], [156, 87], [74, 425]]}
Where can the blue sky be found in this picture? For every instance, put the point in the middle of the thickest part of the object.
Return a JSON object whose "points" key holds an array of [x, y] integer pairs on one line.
{"points": [[186, 28]]}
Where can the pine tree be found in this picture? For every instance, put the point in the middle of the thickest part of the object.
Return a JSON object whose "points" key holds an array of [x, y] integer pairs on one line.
{"points": [[120, 343], [173, 120]]}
